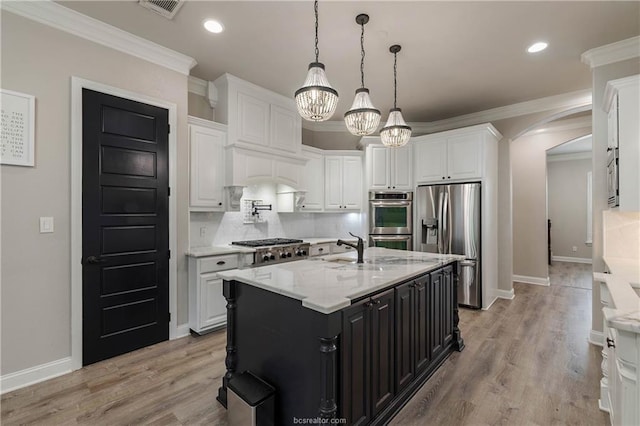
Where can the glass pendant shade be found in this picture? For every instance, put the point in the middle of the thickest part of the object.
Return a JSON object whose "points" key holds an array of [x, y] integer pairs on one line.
{"points": [[362, 119], [396, 132], [316, 99]]}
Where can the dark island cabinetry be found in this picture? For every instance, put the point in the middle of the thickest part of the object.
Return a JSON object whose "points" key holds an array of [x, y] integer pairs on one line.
{"points": [[367, 344], [361, 363]]}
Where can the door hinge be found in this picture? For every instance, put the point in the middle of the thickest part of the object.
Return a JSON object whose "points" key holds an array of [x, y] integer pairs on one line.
{"points": [[169, 192], [169, 254], [168, 128]]}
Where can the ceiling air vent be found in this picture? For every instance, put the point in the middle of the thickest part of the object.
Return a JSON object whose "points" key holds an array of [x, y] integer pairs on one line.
{"points": [[166, 8]]}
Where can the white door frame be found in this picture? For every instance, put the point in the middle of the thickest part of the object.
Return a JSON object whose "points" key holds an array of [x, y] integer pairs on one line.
{"points": [[77, 84]]}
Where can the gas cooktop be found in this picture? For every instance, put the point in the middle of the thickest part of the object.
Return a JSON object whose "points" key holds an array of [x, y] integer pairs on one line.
{"points": [[266, 242]]}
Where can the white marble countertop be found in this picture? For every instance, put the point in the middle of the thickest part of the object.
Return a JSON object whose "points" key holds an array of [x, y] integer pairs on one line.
{"points": [[323, 240], [217, 250], [622, 282], [627, 269], [329, 283]]}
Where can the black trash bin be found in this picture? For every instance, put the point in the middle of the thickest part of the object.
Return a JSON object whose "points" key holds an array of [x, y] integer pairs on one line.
{"points": [[250, 401]]}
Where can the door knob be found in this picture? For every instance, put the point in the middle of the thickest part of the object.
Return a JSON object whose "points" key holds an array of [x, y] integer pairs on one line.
{"points": [[93, 260]]}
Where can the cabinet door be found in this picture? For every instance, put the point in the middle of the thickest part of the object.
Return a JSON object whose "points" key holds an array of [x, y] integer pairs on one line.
{"points": [[447, 305], [253, 120], [401, 168], [285, 129], [435, 312], [333, 183], [431, 161], [422, 321], [405, 334], [382, 350], [356, 357], [206, 148], [379, 163], [352, 183], [213, 306], [312, 179], [464, 157]]}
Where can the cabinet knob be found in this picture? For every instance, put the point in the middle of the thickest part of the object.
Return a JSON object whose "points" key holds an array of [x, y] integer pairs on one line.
{"points": [[610, 343], [368, 304], [219, 204], [442, 177], [448, 177], [320, 249], [377, 302]]}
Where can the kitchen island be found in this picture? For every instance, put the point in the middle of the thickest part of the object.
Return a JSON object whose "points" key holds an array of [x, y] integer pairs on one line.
{"points": [[341, 339]]}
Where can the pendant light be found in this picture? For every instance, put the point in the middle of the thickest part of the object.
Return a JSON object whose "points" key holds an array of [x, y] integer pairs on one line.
{"points": [[316, 99], [363, 118], [396, 132]]}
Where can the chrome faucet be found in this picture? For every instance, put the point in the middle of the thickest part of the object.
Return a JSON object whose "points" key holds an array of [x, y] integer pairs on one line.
{"points": [[359, 246]]}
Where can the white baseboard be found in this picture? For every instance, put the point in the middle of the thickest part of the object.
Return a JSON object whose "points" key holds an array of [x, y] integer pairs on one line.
{"points": [[182, 331], [571, 259], [33, 375], [505, 294], [596, 338], [531, 280], [490, 304]]}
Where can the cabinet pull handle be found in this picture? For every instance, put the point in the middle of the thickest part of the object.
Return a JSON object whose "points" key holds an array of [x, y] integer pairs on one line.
{"points": [[610, 343], [320, 249], [221, 262]]}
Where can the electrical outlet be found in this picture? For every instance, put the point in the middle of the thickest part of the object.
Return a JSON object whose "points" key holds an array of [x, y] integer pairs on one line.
{"points": [[203, 231], [46, 225], [574, 249]]}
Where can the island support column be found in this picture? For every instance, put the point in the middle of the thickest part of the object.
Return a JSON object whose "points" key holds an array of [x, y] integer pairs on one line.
{"points": [[328, 348], [231, 360]]}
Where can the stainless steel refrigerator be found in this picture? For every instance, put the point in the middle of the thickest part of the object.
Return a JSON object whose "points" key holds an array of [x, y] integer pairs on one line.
{"points": [[448, 222]]}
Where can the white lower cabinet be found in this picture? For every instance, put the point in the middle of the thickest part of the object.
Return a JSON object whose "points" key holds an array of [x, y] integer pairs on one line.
{"points": [[207, 305]]}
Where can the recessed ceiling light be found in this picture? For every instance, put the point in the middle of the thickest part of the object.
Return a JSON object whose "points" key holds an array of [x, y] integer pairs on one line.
{"points": [[213, 26], [537, 47]]}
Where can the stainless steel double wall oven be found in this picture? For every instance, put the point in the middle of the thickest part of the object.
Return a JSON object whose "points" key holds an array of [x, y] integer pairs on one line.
{"points": [[391, 220]]}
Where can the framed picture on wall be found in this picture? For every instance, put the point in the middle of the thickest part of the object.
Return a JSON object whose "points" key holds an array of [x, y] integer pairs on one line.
{"points": [[17, 128]]}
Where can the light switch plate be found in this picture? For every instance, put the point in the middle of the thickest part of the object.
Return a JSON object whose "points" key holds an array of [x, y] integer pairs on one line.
{"points": [[46, 225]]}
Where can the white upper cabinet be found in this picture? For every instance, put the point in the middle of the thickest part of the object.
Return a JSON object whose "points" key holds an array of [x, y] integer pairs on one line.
{"points": [[455, 155], [252, 119], [464, 157], [343, 182], [312, 181], [389, 168], [431, 160], [206, 150], [258, 116], [622, 103]]}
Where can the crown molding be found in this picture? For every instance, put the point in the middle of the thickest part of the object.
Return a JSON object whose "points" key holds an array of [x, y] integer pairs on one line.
{"points": [[611, 53], [571, 100], [198, 86], [70, 21]]}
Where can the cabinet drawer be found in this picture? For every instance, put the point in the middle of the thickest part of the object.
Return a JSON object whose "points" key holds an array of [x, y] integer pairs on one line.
{"points": [[218, 263], [319, 249]]}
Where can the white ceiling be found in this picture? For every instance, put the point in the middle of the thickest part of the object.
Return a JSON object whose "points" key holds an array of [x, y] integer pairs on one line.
{"points": [[456, 58]]}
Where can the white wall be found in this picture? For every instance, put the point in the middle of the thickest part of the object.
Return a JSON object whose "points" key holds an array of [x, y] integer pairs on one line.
{"points": [[36, 288], [528, 166], [567, 197]]}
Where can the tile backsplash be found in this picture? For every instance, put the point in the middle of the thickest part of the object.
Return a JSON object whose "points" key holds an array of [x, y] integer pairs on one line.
{"points": [[222, 228], [621, 234]]}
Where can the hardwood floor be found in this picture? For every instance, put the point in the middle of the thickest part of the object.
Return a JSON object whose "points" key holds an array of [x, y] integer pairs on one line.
{"points": [[526, 361]]}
